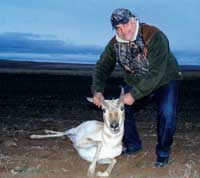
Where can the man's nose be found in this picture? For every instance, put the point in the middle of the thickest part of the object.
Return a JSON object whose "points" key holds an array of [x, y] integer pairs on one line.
{"points": [[123, 30]]}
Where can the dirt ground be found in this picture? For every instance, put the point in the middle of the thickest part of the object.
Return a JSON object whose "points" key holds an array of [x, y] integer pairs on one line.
{"points": [[31, 103]]}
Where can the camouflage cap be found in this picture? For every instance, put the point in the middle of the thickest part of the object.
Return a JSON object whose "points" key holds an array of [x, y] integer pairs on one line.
{"points": [[120, 16]]}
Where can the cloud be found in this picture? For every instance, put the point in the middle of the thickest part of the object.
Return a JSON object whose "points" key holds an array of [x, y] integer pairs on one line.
{"points": [[35, 43]]}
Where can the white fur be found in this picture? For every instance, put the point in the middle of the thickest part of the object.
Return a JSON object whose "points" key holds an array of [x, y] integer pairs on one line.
{"points": [[97, 141]]}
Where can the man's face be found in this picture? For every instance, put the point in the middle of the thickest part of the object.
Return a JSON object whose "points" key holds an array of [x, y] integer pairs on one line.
{"points": [[126, 31]]}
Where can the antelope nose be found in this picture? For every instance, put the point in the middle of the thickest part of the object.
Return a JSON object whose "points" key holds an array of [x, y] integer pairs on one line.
{"points": [[114, 125]]}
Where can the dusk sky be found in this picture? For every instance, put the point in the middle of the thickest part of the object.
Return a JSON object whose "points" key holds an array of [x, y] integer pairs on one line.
{"points": [[80, 22]]}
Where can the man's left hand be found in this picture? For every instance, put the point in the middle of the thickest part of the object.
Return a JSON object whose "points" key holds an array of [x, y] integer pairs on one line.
{"points": [[128, 99]]}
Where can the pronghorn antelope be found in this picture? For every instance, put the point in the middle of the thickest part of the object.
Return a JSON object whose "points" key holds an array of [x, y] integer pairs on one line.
{"points": [[96, 141]]}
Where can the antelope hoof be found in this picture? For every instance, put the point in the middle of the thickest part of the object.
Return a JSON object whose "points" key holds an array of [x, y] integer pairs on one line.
{"points": [[102, 174]]}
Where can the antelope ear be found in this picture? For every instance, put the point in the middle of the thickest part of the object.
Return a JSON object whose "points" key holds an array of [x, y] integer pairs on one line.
{"points": [[89, 99]]}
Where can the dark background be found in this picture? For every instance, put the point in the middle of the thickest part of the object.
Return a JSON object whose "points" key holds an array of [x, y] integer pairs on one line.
{"points": [[34, 101]]}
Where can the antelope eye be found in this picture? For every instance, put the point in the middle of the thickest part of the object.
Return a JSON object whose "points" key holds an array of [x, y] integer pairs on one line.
{"points": [[104, 110], [122, 108]]}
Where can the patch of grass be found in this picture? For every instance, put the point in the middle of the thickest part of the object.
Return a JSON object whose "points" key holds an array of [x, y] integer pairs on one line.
{"points": [[188, 172], [138, 176]]}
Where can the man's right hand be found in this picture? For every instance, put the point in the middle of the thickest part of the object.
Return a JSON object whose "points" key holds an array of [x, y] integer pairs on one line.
{"points": [[97, 99]]}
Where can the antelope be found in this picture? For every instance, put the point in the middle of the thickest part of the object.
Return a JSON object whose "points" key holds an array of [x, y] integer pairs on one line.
{"points": [[97, 141]]}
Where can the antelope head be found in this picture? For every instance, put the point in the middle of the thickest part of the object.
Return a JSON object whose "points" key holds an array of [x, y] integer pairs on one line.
{"points": [[113, 113]]}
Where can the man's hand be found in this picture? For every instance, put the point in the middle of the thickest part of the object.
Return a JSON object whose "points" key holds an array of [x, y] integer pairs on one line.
{"points": [[128, 99], [97, 98]]}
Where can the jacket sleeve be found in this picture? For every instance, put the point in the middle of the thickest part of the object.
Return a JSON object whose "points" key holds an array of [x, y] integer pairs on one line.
{"points": [[158, 52], [104, 67]]}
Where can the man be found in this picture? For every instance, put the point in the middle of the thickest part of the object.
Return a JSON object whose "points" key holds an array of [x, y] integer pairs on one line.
{"points": [[149, 69]]}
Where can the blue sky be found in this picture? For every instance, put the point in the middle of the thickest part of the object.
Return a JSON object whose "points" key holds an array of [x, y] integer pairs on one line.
{"points": [[80, 22]]}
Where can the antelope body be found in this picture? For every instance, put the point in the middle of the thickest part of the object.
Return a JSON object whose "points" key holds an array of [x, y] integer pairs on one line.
{"points": [[96, 141]]}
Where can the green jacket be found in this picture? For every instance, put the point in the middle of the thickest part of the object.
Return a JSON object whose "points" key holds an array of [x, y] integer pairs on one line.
{"points": [[163, 66]]}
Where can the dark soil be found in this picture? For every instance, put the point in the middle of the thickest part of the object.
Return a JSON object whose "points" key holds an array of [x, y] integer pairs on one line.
{"points": [[30, 103]]}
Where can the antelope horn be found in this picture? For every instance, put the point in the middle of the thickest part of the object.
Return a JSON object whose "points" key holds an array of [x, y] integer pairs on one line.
{"points": [[121, 96]]}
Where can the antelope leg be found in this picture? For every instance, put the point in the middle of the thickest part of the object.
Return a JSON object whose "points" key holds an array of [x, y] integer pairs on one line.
{"points": [[92, 167], [107, 172]]}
